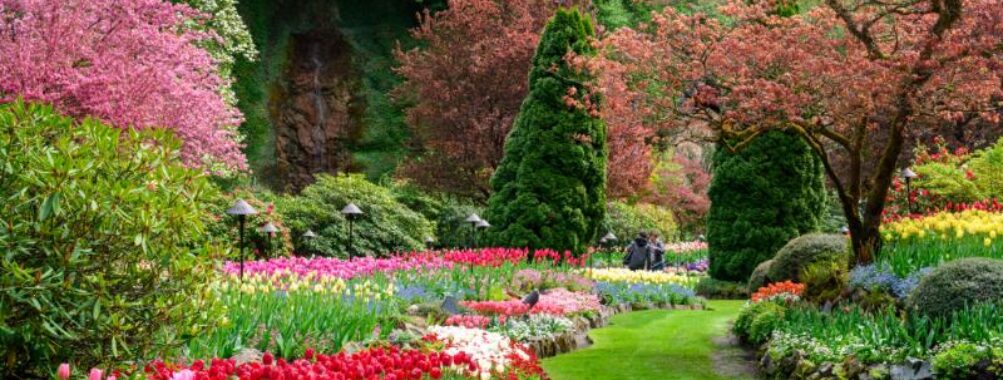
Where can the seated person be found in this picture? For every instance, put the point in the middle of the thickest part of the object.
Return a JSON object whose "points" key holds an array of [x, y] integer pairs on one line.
{"points": [[657, 252], [638, 253]]}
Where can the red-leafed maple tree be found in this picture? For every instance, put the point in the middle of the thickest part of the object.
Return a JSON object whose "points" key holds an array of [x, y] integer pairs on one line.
{"points": [[464, 84], [855, 78]]}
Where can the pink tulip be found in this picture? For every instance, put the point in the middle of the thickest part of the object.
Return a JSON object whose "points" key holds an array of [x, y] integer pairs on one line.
{"points": [[185, 374], [96, 374], [64, 371]]}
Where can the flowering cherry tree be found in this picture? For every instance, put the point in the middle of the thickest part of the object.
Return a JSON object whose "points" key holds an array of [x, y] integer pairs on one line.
{"points": [[855, 78], [133, 63]]}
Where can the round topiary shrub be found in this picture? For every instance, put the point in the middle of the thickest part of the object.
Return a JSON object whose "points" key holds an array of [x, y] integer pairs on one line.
{"points": [[759, 277], [955, 284], [805, 250]]}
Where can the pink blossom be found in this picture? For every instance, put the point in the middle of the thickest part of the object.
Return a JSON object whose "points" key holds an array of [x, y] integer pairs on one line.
{"points": [[64, 371], [132, 63]]}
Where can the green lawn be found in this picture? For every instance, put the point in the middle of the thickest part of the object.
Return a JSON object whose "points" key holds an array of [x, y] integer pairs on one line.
{"points": [[657, 344]]}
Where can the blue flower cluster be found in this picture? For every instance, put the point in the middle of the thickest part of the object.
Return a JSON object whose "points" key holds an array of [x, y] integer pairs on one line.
{"points": [[618, 293], [876, 277]]}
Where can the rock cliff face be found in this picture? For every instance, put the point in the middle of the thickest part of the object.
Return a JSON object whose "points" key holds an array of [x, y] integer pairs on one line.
{"points": [[316, 100], [317, 111]]}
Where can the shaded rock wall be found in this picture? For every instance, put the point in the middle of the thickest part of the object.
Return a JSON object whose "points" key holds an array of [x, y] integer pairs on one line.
{"points": [[317, 110]]}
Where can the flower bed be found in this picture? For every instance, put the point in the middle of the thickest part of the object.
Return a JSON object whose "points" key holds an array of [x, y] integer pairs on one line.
{"points": [[640, 276]]}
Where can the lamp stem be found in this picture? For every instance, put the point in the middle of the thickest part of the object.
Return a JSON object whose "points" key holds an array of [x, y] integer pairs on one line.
{"points": [[242, 218]]}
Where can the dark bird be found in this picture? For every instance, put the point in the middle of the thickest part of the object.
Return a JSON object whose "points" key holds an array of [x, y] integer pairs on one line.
{"points": [[532, 299], [450, 305]]}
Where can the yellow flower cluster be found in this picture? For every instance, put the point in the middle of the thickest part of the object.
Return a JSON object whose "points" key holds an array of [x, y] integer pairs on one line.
{"points": [[260, 283], [640, 276], [370, 290], [947, 225], [267, 283]]}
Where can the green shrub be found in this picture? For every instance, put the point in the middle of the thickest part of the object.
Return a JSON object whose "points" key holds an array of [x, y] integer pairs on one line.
{"points": [[550, 187], [225, 229], [987, 165], [805, 250], [760, 276], [626, 220], [451, 229], [104, 258], [955, 284], [757, 321], [966, 360], [825, 280], [712, 288], [386, 225], [763, 195]]}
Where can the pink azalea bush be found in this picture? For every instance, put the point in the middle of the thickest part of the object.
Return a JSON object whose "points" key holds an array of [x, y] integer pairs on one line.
{"points": [[132, 63]]}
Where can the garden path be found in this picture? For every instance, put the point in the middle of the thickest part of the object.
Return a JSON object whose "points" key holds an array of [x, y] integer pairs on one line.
{"points": [[660, 344]]}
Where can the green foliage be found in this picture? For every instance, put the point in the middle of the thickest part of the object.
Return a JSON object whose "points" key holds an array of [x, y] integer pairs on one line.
{"points": [[825, 280], [947, 181], [386, 225], [806, 250], [761, 196], [757, 321], [884, 336], [957, 284], [961, 361], [987, 166], [615, 14], [626, 220], [225, 228], [549, 190], [287, 323], [450, 228], [712, 288], [103, 256], [760, 276]]}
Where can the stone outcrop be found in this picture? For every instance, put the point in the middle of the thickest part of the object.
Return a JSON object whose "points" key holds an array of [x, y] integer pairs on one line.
{"points": [[316, 108]]}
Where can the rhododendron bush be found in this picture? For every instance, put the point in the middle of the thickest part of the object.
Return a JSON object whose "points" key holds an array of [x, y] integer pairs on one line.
{"points": [[855, 79], [132, 63]]}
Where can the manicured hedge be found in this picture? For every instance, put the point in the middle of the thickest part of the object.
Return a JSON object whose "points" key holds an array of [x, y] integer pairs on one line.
{"points": [[805, 250], [954, 285]]}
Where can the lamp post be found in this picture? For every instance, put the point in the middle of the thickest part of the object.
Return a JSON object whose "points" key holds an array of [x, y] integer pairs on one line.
{"points": [[473, 219], [241, 209], [908, 174], [351, 211], [269, 230], [608, 240], [481, 225], [308, 237]]}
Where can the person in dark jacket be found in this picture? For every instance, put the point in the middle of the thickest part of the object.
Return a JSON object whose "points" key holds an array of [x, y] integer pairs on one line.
{"points": [[638, 253], [657, 252]]}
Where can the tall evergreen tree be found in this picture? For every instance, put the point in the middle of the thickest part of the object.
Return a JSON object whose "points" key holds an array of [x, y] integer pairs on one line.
{"points": [[549, 190], [762, 196]]}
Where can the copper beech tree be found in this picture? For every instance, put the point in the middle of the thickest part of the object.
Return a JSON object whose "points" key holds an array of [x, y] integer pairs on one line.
{"points": [[855, 78]]}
